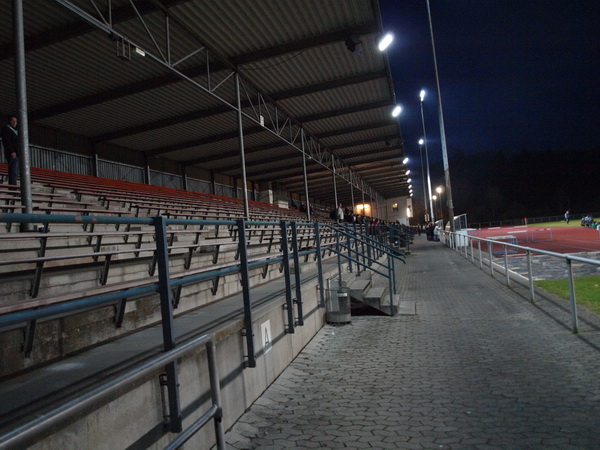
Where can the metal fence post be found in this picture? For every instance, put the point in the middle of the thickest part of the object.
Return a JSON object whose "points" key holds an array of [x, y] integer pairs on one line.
{"points": [[572, 293], [289, 305], [298, 301], [506, 265], [319, 265], [491, 262], [248, 331], [166, 309], [530, 271]]}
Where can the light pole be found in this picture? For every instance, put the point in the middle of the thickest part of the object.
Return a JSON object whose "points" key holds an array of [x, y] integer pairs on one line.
{"points": [[427, 194], [439, 190], [442, 131], [421, 143], [423, 177]]}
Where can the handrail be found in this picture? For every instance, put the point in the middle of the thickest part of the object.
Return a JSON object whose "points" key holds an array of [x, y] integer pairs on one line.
{"points": [[453, 240], [371, 243], [26, 433], [167, 282]]}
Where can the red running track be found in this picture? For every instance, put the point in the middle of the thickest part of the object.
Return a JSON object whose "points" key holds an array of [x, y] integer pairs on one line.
{"points": [[565, 239]]}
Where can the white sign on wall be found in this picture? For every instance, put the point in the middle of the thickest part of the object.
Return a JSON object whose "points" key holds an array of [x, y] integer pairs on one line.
{"points": [[265, 329]]}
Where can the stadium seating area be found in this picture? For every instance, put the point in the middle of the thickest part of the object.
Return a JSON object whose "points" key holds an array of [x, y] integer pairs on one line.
{"points": [[60, 262]]}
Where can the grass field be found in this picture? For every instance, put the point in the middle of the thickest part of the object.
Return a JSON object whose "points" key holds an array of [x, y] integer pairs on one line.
{"points": [[587, 290], [561, 223]]}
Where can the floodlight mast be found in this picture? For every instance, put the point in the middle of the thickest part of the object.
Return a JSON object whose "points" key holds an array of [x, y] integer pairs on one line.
{"points": [[421, 143], [442, 131]]}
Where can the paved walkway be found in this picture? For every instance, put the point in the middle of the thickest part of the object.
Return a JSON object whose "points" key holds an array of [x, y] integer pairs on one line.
{"points": [[477, 367]]}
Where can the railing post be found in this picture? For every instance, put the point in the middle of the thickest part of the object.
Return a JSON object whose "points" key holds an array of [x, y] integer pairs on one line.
{"points": [[472, 251], [530, 272], [348, 242], [289, 305], [166, 309], [248, 331], [480, 255], [491, 262], [339, 257], [391, 283], [359, 268], [300, 319], [506, 265], [215, 389], [319, 265], [368, 235], [572, 293]]}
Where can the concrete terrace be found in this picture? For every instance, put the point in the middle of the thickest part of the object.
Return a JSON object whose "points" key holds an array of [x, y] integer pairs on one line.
{"points": [[479, 366]]}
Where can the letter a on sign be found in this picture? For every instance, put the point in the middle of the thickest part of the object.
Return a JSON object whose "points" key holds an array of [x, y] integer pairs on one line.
{"points": [[266, 335]]}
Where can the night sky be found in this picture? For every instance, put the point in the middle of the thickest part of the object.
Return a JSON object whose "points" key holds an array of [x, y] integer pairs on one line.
{"points": [[514, 75]]}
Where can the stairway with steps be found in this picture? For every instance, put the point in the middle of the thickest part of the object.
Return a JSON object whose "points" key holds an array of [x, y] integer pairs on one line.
{"points": [[370, 294]]}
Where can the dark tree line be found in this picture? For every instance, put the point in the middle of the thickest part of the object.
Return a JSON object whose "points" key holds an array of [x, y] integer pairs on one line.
{"points": [[502, 186]]}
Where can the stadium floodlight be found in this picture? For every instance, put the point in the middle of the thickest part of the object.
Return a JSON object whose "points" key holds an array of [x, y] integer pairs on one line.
{"points": [[422, 94], [396, 111], [385, 41], [409, 180], [446, 165], [407, 172], [404, 161]]}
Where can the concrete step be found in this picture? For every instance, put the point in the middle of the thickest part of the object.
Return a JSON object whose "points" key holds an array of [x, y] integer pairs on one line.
{"points": [[358, 287], [407, 308], [374, 293]]}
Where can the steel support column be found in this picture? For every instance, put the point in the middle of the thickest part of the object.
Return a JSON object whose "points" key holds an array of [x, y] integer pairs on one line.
{"points": [[242, 151], [304, 174], [21, 85], [363, 199], [334, 186]]}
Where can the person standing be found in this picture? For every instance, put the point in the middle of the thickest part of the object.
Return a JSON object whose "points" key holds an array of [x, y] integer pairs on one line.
{"points": [[567, 216], [340, 213], [10, 141]]}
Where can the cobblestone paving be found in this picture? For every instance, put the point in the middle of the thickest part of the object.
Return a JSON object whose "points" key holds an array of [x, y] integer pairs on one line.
{"points": [[478, 367]]}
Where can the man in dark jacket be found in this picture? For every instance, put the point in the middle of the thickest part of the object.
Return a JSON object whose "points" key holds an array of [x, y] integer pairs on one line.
{"points": [[10, 141]]}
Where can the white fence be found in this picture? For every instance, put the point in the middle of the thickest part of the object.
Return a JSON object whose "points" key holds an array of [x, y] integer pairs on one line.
{"points": [[479, 251]]}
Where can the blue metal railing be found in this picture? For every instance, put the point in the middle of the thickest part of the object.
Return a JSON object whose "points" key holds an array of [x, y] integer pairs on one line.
{"points": [[357, 240]]}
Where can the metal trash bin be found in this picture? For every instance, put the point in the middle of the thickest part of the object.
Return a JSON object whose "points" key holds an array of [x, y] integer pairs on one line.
{"points": [[339, 308]]}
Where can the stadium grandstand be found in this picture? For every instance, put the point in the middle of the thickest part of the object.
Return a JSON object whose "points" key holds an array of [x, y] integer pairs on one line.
{"points": [[169, 248]]}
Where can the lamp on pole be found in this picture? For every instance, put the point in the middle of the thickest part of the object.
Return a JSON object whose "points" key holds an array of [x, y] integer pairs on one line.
{"points": [[442, 131]]}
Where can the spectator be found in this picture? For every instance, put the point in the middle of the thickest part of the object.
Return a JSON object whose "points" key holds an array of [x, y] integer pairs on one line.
{"points": [[10, 141], [340, 213]]}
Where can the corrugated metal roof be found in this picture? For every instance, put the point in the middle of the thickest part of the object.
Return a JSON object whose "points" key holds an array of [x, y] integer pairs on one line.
{"points": [[289, 51]]}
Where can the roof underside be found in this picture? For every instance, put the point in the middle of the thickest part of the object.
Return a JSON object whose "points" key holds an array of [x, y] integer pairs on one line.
{"points": [[301, 89]]}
